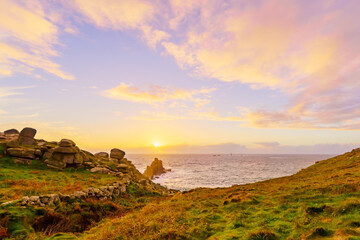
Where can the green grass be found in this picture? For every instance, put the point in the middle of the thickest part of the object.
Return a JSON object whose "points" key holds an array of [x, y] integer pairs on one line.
{"points": [[18, 180]]}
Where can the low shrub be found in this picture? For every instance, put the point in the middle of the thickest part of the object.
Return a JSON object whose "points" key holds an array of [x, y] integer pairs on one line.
{"points": [[263, 235]]}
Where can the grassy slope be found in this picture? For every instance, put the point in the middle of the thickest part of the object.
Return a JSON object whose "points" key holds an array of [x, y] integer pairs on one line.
{"points": [[322, 201], [18, 180]]}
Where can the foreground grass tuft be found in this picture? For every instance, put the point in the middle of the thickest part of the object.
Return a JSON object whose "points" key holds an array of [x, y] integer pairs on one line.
{"points": [[263, 235]]}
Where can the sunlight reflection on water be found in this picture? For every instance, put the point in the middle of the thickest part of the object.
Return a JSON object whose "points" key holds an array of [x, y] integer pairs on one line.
{"points": [[204, 170]]}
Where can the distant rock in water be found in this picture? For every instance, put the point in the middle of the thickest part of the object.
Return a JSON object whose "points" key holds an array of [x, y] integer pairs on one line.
{"points": [[156, 168]]}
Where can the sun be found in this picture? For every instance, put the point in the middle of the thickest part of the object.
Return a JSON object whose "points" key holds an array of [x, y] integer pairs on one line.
{"points": [[156, 144]]}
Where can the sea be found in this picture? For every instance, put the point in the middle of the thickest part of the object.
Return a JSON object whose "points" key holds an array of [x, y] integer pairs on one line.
{"points": [[190, 171]]}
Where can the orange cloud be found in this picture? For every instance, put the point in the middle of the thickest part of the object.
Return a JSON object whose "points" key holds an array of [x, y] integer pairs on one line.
{"points": [[116, 14], [155, 94]]}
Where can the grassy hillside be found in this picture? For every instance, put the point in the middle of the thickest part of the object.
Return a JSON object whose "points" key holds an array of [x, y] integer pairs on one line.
{"points": [[320, 202], [34, 222], [17, 180]]}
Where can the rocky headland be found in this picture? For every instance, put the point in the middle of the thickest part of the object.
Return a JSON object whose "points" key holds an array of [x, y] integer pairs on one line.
{"points": [[155, 169]]}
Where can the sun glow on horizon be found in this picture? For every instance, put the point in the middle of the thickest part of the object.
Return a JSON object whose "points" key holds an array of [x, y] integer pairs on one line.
{"points": [[156, 144]]}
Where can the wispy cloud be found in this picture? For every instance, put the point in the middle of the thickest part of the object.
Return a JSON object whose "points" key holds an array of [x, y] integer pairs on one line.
{"points": [[307, 50], [124, 15], [265, 44], [155, 94], [27, 40], [10, 91]]}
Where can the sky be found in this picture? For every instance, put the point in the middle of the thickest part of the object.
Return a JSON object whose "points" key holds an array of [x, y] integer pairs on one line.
{"points": [[183, 76]]}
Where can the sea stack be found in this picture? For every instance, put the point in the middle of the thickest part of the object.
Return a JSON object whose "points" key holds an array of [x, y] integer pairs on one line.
{"points": [[156, 168]]}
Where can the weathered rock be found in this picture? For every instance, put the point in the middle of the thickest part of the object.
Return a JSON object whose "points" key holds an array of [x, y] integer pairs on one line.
{"points": [[29, 153], [26, 141], [24, 200], [34, 200], [84, 157], [102, 155], [26, 136], [21, 152], [48, 154], [13, 144], [70, 150], [156, 168], [66, 143], [11, 131], [54, 198], [28, 132], [125, 161], [122, 167], [78, 159], [114, 160], [38, 152], [100, 170], [117, 153], [24, 161], [79, 194], [89, 164]]}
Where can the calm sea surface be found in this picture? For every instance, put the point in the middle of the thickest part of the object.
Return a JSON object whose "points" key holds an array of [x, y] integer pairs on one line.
{"points": [[203, 170]]}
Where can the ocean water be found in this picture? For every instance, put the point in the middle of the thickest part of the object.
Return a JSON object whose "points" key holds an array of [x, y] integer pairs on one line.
{"points": [[205, 170]]}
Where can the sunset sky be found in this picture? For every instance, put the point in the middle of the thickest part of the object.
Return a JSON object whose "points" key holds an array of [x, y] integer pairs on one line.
{"points": [[242, 76]]}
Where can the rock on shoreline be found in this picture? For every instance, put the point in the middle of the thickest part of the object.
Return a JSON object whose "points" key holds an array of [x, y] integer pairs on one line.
{"points": [[155, 169]]}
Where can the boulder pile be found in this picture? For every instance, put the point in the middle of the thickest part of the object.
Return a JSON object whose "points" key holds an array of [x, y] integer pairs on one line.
{"points": [[23, 148], [66, 155], [26, 136], [20, 146]]}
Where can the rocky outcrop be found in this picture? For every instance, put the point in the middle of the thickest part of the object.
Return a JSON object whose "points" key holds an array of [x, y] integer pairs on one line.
{"points": [[100, 170], [102, 155], [11, 131], [117, 154], [65, 155], [156, 168], [22, 155], [26, 136]]}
